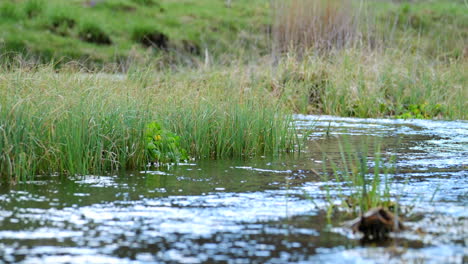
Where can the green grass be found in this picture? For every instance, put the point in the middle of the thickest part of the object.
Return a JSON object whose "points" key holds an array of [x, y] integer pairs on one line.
{"points": [[72, 123], [362, 180], [438, 29], [207, 73], [369, 84], [39, 29]]}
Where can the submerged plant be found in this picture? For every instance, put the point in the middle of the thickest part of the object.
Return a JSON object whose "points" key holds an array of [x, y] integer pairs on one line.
{"points": [[163, 147]]}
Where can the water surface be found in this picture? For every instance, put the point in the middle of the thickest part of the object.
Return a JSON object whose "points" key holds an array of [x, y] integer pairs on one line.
{"points": [[265, 210]]}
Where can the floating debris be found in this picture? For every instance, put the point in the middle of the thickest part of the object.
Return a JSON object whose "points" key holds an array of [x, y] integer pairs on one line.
{"points": [[376, 224]]}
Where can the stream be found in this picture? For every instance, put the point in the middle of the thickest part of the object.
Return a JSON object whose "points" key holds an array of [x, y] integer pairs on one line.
{"points": [[262, 210]]}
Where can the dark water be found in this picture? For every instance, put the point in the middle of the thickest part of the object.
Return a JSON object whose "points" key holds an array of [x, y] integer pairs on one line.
{"points": [[267, 210]]}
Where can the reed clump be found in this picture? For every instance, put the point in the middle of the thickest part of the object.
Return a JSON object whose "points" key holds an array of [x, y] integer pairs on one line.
{"points": [[363, 179], [76, 123]]}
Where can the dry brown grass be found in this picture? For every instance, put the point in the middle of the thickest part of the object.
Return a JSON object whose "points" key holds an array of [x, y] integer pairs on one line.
{"points": [[315, 24]]}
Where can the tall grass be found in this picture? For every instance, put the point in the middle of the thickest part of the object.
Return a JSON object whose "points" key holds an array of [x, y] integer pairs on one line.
{"points": [[323, 25], [73, 123], [436, 29], [359, 83], [363, 179]]}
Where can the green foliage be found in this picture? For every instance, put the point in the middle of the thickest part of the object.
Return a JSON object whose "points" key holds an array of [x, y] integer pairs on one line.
{"points": [[145, 2], [421, 111], [149, 36], [61, 23], [188, 25], [13, 47], [74, 123], [367, 180], [116, 5], [9, 11], [436, 29], [33, 8], [163, 147], [371, 84]]}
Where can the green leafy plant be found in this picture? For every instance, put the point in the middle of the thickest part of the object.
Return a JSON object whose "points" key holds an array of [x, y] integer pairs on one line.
{"points": [[421, 111], [163, 147]]}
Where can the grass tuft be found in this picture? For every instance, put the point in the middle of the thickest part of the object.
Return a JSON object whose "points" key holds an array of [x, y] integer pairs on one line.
{"points": [[33, 8], [72, 123], [93, 33], [363, 180], [149, 36]]}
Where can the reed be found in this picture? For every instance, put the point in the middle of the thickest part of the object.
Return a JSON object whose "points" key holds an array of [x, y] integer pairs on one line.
{"points": [[363, 179], [74, 123]]}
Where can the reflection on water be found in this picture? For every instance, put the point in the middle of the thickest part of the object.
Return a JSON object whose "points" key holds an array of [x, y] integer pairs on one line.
{"points": [[256, 211]]}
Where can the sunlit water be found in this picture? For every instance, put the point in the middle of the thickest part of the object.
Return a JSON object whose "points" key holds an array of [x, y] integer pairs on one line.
{"points": [[266, 210]]}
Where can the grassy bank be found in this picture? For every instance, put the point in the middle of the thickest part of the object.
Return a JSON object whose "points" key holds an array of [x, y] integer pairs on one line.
{"points": [[101, 32], [107, 32], [231, 85], [373, 84], [71, 123]]}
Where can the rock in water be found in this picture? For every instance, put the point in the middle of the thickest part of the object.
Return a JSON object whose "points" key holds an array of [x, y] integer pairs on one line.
{"points": [[376, 224]]}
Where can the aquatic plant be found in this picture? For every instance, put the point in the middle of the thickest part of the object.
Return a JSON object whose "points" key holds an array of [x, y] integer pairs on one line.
{"points": [[73, 123], [163, 146], [362, 184]]}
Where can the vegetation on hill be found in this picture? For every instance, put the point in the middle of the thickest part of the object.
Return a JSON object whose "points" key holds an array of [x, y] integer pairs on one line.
{"points": [[128, 31], [105, 31]]}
